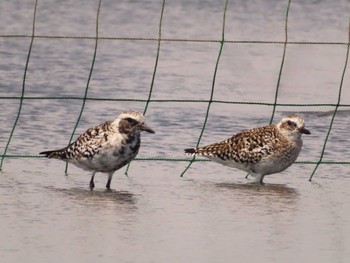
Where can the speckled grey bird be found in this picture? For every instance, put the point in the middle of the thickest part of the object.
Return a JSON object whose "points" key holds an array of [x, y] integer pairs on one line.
{"points": [[260, 151], [106, 147]]}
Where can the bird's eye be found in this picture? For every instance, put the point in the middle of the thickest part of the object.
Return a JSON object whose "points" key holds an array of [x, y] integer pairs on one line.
{"points": [[290, 123], [130, 120]]}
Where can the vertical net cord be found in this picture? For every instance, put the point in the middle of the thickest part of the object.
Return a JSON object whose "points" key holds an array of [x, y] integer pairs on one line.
{"points": [[336, 107], [212, 88], [88, 81], [23, 86], [282, 62], [154, 71], [157, 58], [281, 67]]}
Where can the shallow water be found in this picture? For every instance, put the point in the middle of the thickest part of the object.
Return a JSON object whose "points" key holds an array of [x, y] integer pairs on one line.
{"points": [[212, 214]]}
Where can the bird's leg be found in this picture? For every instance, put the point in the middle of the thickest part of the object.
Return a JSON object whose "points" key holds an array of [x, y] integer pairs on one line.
{"points": [[108, 185], [259, 178], [92, 184], [246, 177]]}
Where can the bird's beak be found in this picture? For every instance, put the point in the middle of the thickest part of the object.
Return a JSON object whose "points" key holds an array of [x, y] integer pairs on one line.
{"points": [[144, 127], [305, 131]]}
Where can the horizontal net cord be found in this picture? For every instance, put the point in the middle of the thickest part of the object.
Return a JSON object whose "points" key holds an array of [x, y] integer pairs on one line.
{"points": [[176, 101], [15, 156], [179, 40]]}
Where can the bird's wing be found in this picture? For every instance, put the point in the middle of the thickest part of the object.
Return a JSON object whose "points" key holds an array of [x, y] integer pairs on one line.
{"points": [[89, 143], [86, 146], [245, 147]]}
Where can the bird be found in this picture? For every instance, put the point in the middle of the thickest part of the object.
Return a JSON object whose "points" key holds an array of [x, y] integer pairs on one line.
{"points": [[106, 147], [259, 151]]}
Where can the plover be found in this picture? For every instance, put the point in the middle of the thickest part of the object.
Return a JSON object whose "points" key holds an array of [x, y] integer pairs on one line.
{"points": [[106, 147], [260, 151]]}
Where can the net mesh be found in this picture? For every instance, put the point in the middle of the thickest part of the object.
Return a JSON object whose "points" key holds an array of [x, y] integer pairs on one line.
{"points": [[23, 96]]}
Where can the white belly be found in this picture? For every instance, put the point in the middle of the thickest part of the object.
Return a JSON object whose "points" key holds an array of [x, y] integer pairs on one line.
{"points": [[111, 157]]}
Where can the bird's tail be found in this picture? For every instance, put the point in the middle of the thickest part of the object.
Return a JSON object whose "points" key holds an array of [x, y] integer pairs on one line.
{"points": [[191, 151], [55, 154]]}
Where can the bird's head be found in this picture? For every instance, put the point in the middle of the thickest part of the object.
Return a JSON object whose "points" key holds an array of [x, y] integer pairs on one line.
{"points": [[292, 126], [130, 122]]}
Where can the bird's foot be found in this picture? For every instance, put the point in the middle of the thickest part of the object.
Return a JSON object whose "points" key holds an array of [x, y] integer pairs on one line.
{"points": [[92, 185]]}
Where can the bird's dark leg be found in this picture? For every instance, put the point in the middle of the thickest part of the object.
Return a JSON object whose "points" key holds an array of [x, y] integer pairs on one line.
{"points": [[108, 185], [92, 184]]}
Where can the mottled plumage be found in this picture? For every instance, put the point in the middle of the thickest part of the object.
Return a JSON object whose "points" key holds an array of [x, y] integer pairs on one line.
{"points": [[260, 151], [106, 147]]}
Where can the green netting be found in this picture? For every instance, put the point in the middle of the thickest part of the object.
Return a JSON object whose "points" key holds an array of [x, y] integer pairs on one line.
{"points": [[149, 100], [88, 81], [336, 107], [23, 88], [155, 68]]}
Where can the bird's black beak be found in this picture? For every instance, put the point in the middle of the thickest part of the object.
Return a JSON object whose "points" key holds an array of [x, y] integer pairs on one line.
{"points": [[144, 127], [305, 131]]}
